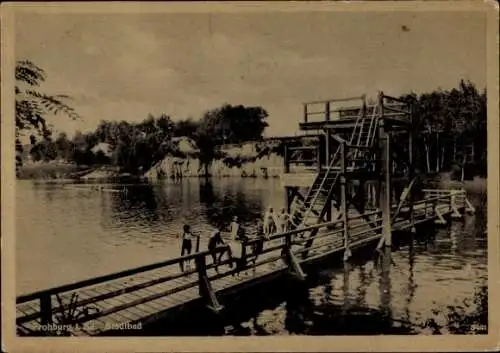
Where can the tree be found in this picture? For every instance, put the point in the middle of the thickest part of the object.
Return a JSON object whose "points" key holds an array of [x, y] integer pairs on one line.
{"points": [[234, 124], [227, 124], [32, 106], [64, 146], [449, 125], [185, 127]]}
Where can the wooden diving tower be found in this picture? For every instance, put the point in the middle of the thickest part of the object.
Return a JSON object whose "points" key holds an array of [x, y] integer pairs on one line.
{"points": [[352, 167]]}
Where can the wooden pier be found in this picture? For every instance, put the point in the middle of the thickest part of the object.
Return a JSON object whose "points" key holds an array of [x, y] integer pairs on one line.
{"points": [[350, 191]]}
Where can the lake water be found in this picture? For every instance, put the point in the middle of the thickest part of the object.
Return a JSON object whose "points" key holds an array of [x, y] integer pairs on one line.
{"points": [[67, 232]]}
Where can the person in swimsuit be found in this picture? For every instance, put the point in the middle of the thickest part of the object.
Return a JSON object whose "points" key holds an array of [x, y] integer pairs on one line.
{"points": [[284, 221], [258, 245], [187, 245], [235, 227], [214, 241], [237, 244], [269, 222]]}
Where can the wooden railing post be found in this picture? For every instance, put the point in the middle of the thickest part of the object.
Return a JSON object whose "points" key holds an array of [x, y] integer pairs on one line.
{"points": [[201, 267], [318, 157], [363, 98], [327, 147], [45, 309], [204, 284], [287, 159], [305, 113], [327, 111]]}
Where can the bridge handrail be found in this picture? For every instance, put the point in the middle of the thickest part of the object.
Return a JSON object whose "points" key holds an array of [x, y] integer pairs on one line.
{"points": [[97, 280], [384, 96], [47, 309], [334, 100], [302, 148], [444, 191], [109, 277]]}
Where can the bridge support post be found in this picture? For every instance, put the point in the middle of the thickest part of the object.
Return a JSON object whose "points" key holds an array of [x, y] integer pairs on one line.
{"points": [[343, 202], [286, 159], [318, 158], [327, 164], [411, 169], [205, 286], [385, 192], [291, 259]]}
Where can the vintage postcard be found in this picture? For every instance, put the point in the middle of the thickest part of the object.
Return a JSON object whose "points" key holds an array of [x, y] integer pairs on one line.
{"points": [[261, 176]]}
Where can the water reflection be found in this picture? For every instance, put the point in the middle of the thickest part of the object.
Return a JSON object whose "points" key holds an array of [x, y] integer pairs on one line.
{"points": [[345, 287], [385, 282], [82, 223], [298, 308], [362, 287], [411, 281]]}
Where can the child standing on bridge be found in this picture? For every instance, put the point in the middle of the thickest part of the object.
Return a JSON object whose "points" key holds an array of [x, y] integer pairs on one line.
{"points": [[187, 245], [269, 222], [238, 244], [283, 221], [258, 244]]}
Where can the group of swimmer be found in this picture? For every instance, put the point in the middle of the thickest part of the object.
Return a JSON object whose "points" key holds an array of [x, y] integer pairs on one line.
{"points": [[273, 223]]}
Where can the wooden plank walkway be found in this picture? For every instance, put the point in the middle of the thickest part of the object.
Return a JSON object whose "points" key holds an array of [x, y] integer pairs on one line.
{"points": [[142, 294]]}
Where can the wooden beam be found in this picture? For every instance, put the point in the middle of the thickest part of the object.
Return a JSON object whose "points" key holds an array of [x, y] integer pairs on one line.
{"points": [[439, 215], [294, 264], [385, 195], [343, 200], [205, 286], [287, 159], [45, 309]]}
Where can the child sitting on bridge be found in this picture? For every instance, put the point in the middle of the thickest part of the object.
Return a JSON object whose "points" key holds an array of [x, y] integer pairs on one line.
{"points": [[213, 242]]}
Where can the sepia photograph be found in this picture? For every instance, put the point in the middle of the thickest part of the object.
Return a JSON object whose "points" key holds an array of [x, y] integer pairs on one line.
{"points": [[254, 170]]}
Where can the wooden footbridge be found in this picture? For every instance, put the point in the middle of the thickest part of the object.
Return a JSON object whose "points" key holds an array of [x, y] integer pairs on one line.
{"points": [[342, 199]]}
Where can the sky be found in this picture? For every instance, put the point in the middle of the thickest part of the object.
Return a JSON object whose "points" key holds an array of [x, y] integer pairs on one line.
{"points": [[126, 66]]}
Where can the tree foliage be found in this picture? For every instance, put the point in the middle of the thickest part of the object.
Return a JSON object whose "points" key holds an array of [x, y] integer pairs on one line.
{"points": [[136, 147], [33, 106], [234, 124], [451, 127]]}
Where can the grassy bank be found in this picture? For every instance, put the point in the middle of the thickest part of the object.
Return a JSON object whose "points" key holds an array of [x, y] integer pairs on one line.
{"points": [[51, 170]]}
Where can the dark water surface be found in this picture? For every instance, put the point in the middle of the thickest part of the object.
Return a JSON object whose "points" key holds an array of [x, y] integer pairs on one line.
{"points": [[435, 282]]}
